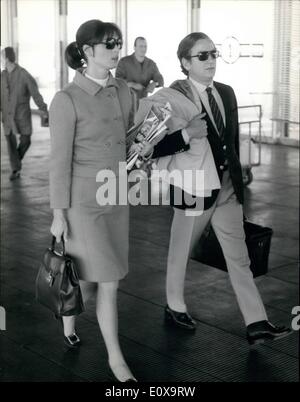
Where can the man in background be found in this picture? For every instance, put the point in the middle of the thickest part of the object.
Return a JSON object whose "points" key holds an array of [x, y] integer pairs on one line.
{"points": [[140, 72], [17, 86]]}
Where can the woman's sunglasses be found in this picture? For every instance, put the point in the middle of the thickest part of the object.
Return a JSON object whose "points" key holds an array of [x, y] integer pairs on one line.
{"points": [[112, 43], [202, 56]]}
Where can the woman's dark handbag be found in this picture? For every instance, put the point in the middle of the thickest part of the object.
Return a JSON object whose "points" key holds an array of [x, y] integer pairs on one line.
{"points": [[57, 284], [258, 239]]}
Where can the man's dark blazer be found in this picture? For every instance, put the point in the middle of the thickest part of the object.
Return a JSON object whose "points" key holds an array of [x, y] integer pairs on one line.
{"points": [[226, 148], [171, 144]]}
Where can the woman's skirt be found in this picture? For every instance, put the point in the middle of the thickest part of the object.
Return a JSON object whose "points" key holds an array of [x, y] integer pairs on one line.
{"points": [[98, 237]]}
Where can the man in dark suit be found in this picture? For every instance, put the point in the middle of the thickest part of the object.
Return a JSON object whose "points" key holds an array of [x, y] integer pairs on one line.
{"points": [[223, 209], [17, 87]]}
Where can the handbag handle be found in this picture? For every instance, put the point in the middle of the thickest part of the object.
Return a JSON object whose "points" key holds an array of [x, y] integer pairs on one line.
{"points": [[245, 218], [54, 242]]}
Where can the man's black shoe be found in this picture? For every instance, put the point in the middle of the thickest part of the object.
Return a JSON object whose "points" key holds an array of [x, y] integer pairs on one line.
{"points": [[262, 331], [15, 175], [182, 320]]}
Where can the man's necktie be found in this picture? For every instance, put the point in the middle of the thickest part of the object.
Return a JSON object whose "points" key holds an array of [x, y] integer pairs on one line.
{"points": [[216, 112]]}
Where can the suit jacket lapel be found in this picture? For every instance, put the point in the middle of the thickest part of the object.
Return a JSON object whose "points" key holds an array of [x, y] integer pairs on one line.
{"points": [[184, 86]]}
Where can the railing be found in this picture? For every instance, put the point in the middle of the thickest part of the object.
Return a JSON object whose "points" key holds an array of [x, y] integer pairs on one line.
{"points": [[250, 124]]}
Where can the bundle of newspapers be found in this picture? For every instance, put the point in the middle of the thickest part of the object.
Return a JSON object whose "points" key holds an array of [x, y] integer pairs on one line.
{"points": [[153, 125]]}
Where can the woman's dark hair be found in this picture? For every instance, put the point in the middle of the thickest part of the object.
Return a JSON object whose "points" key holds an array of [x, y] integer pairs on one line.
{"points": [[10, 54], [186, 45], [89, 33]]}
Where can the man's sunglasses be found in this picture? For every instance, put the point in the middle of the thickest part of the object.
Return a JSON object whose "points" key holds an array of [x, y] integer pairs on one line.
{"points": [[202, 56], [112, 43]]}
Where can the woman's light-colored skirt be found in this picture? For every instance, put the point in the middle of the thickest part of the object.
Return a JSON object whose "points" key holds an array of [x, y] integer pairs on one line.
{"points": [[98, 235]]}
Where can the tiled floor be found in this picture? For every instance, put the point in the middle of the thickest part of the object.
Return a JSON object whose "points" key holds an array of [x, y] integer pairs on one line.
{"points": [[32, 348]]}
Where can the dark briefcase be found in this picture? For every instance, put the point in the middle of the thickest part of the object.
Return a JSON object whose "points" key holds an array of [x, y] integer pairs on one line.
{"points": [[57, 284], [258, 240], [44, 120]]}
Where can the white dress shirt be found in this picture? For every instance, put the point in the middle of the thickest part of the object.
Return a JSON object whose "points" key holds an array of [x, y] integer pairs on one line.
{"points": [[201, 91]]}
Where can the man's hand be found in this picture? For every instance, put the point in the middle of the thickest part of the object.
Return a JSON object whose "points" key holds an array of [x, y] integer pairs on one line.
{"points": [[136, 86], [151, 86], [197, 127], [45, 118]]}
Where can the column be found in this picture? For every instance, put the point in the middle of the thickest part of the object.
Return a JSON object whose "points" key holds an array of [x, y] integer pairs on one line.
{"points": [[61, 40], [120, 7], [9, 27], [195, 15]]}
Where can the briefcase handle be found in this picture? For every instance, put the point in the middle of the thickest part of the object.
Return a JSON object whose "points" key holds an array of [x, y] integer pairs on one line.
{"points": [[54, 242]]}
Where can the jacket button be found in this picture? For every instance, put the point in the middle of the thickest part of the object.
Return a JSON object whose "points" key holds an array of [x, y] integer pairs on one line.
{"points": [[221, 167]]}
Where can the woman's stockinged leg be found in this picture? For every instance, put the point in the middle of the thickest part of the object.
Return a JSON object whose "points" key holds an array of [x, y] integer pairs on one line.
{"points": [[88, 289], [106, 310]]}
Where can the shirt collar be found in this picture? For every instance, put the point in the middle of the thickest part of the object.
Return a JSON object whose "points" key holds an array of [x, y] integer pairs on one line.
{"points": [[91, 87], [16, 67], [136, 60], [201, 87]]}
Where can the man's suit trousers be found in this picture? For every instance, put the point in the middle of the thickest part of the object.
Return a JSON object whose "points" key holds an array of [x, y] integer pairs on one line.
{"points": [[226, 218]]}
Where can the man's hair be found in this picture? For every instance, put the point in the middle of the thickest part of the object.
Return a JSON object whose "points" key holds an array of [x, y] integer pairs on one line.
{"points": [[10, 54], [138, 38], [186, 45]]}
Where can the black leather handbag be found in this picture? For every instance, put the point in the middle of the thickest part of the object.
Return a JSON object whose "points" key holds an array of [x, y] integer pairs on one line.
{"points": [[57, 284], [258, 240]]}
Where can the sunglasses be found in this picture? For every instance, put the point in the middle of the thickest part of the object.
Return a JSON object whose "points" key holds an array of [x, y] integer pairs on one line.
{"points": [[112, 43], [202, 56]]}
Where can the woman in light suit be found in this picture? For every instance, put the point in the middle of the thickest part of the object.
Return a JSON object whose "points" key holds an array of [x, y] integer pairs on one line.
{"points": [[88, 123]]}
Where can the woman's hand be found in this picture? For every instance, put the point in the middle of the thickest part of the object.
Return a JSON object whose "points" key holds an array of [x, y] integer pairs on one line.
{"points": [[143, 149], [59, 225]]}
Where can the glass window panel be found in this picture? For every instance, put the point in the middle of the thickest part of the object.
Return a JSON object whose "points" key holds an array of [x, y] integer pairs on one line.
{"points": [[251, 77], [36, 38], [80, 11], [4, 27], [163, 23]]}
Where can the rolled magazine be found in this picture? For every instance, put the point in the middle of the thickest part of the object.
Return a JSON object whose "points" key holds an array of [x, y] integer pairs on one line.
{"points": [[153, 125]]}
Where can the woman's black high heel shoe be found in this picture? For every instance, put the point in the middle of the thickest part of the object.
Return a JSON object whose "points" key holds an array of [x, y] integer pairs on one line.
{"points": [[72, 341]]}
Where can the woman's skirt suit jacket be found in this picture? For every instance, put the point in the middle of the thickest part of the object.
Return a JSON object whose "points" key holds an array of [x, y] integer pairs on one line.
{"points": [[88, 125]]}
